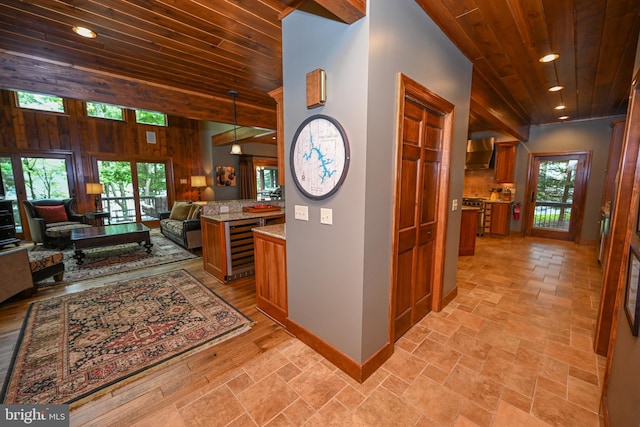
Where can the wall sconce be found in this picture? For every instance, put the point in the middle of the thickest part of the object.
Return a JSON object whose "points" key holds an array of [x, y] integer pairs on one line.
{"points": [[316, 88], [95, 189], [199, 181]]}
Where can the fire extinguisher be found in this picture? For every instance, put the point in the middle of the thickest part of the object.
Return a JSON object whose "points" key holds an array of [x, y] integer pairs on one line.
{"points": [[516, 211]]}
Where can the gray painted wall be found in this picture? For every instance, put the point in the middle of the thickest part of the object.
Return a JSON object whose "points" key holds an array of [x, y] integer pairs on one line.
{"points": [[213, 157], [339, 276], [589, 135]]}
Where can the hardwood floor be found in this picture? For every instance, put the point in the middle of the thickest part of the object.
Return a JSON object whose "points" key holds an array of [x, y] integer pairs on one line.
{"points": [[513, 348]]}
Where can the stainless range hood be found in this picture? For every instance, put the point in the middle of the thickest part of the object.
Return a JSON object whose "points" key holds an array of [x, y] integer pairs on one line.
{"points": [[479, 153]]}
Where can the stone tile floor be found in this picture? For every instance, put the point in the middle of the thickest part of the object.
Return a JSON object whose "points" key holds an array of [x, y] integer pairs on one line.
{"points": [[514, 348]]}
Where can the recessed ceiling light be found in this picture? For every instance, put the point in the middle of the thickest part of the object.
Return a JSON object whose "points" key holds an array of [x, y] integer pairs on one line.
{"points": [[563, 117], [560, 107], [555, 88], [84, 32], [549, 57]]}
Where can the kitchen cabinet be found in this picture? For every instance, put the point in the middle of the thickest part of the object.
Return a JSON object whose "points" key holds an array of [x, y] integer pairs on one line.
{"points": [[213, 248], [498, 218], [227, 245], [505, 165], [7, 224], [468, 230], [271, 274]]}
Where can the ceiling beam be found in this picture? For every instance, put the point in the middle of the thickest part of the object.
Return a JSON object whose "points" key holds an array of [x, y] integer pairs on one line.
{"points": [[488, 104], [243, 134], [348, 11], [35, 74]]}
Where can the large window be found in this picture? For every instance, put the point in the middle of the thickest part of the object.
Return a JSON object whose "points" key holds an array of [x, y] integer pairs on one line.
{"points": [[37, 101], [9, 185], [151, 118], [133, 191], [267, 180], [104, 111], [45, 178]]}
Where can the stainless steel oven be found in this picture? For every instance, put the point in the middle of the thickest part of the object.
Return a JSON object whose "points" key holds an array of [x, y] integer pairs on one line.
{"points": [[476, 202]]}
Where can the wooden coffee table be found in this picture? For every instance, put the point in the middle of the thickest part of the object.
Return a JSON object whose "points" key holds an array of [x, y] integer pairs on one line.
{"points": [[108, 235]]}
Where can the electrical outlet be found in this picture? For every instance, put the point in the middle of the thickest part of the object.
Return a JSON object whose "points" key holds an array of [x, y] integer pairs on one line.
{"points": [[301, 212], [326, 216], [454, 205], [224, 209]]}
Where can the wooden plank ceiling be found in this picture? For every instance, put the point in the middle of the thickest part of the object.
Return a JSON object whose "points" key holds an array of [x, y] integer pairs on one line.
{"points": [[183, 56]]}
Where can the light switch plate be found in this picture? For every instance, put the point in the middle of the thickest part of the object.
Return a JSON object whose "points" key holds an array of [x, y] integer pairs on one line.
{"points": [[301, 212], [224, 209], [326, 216], [454, 205]]}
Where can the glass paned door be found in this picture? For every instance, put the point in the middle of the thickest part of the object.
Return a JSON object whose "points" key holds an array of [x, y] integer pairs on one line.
{"points": [[554, 200], [133, 191], [152, 189], [10, 191], [117, 183], [557, 190]]}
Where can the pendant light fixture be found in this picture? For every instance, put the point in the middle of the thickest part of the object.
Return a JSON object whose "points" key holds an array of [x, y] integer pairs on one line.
{"points": [[235, 148]]}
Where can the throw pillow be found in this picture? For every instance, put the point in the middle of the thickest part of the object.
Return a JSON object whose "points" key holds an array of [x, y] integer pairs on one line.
{"points": [[52, 214], [180, 211], [194, 213]]}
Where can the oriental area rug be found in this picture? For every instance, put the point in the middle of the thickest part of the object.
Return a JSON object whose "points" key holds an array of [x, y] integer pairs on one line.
{"points": [[76, 347], [100, 262]]}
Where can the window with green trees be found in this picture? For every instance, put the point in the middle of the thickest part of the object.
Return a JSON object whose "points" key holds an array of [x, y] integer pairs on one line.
{"points": [[151, 118], [38, 101], [120, 197], [104, 111], [9, 181]]}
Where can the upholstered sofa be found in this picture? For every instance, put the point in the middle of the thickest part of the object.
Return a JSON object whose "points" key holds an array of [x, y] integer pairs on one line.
{"points": [[51, 220], [182, 225]]}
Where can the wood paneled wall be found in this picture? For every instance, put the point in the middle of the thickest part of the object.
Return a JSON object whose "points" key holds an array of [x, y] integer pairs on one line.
{"points": [[30, 131]]}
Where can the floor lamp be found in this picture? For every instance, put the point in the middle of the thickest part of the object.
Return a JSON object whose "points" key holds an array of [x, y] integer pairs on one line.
{"points": [[95, 189]]}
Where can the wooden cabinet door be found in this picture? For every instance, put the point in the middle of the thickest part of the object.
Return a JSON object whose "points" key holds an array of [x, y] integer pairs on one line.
{"points": [[419, 180], [505, 161], [271, 276], [500, 219], [214, 248], [468, 230]]}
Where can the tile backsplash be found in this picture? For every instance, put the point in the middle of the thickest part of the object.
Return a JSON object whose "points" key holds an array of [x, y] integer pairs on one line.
{"points": [[479, 182]]}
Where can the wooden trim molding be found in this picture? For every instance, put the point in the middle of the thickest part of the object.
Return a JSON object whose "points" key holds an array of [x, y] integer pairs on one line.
{"points": [[449, 297], [355, 370]]}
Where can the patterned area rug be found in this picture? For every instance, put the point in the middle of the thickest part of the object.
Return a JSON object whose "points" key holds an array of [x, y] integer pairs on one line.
{"points": [[78, 346], [116, 259]]}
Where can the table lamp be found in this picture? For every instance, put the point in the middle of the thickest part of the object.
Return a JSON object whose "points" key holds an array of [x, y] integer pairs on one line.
{"points": [[199, 181], [95, 189]]}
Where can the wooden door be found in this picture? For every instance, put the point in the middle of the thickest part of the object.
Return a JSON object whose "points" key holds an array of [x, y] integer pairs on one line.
{"points": [[421, 184], [557, 192]]}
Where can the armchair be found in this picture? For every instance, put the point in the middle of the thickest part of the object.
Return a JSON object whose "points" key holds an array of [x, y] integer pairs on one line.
{"points": [[51, 220]]}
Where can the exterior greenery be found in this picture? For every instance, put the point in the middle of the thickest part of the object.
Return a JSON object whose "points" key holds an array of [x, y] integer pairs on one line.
{"points": [[117, 180], [37, 101], [151, 118], [45, 178], [105, 111]]}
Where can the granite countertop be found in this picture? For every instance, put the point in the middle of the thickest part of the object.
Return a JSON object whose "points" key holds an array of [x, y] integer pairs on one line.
{"points": [[277, 230], [233, 216], [498, 201], [471, 208]]}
